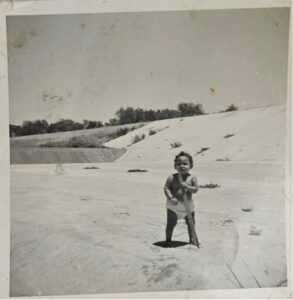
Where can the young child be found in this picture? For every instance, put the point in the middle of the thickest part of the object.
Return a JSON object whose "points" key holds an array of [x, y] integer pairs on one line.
{"points": [[174, 191]]}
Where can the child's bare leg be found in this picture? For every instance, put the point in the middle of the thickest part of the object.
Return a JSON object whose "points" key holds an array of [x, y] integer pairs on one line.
{"points": [[171, 223], [188, 226]]}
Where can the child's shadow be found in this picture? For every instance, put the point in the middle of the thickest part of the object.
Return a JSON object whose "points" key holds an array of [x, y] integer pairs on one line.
{"points": [[173, 244]]}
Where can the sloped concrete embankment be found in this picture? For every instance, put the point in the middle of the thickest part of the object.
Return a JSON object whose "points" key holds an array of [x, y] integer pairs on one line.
{"points": [[37, 155]]}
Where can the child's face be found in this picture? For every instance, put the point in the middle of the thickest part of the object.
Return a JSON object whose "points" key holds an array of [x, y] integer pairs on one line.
{"points": [[182, 165]]}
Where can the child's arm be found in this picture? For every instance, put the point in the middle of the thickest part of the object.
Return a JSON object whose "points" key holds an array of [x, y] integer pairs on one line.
{"points": [[168, 192], [193, 187]]}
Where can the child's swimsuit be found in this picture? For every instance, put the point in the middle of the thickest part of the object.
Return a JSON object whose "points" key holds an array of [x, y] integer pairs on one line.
{"points": [[174, 186]]}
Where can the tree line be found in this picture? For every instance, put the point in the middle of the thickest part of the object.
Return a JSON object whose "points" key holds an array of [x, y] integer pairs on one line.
{"points": [[123, 116], [134, 115], [42, 126]]}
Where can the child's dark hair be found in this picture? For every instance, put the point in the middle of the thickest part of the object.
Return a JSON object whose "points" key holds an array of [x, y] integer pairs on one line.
{"points": [[182, 153]]}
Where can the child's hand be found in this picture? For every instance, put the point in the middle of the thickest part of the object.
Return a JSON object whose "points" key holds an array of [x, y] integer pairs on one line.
{"points": [[174, 200], [184, 185]]}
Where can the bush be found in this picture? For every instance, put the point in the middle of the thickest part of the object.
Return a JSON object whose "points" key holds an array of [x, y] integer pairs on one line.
{"points": [[91, 168], [176, 144], [81, 142], [247, 209], [190, 109], [228, 135], [137, 138], [161, 129], [223, 159], [231, 107], [209, 186], [137, 170], [120, 132], [203, 149], [152, 131], [74, 142]]}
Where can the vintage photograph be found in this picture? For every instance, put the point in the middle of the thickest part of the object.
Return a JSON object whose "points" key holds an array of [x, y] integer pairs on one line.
{"points": [[147, 151]]}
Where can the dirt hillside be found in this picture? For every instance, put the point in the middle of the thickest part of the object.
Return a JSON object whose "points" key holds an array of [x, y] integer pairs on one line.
{"points": [[99, 134], [247, 135]]}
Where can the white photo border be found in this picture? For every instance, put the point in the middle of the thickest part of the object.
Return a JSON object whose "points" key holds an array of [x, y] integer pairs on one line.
{"points": [[58, 7]]}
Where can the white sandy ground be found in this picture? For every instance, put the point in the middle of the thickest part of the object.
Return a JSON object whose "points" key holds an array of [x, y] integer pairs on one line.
{"points": [[91, 231]]}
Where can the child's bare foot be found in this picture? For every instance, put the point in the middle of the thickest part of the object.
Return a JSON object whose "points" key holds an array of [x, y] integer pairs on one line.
{"points": [[195, 244]]}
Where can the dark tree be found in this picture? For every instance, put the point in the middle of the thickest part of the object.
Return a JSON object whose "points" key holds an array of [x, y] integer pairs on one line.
{"points": [[231, 107], [113, 122], [65, 125], [125, 116], [40, 127], [15, 130], [27, 128], [92, 124], [139, 115], [150, 115], [190, 109], [99, 124], [199, 109], [186, 109]]}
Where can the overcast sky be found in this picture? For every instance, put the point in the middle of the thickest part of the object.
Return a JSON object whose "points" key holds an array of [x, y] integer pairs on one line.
{"points": [[88, 66]]}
